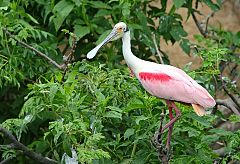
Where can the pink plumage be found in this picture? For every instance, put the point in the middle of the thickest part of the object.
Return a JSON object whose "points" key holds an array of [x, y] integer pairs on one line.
{"points": [[171, 83]]}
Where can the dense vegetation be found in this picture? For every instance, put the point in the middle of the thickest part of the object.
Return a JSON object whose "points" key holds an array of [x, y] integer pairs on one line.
{"points": [[93, 111]]}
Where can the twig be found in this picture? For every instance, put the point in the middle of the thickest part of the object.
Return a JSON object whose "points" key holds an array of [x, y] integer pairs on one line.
{"points": [[31, 154], [33, 49], [204, 33], [69, 57], [227, 103], [156, 47], [9, 146], [228, 93], [7, 161], [207, 20], [215, 88]]}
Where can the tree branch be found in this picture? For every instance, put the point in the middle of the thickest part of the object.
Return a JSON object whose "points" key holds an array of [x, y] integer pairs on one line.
{"points": [[206, 21], [204, 33], [228, 103], [156, 47], [228, 93], [7, 161], [31, 154], [68, 58], [157, 142], [33, 49]]}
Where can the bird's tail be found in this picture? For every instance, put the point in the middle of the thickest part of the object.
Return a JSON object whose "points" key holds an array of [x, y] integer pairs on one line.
{"points": [[199, 109]]}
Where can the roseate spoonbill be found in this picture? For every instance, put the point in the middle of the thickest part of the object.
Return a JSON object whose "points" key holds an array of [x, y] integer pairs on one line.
{"points": [[163, 81]]}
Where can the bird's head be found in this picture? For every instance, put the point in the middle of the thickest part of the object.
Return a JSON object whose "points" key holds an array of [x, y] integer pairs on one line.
{"points": [[118, 31]]}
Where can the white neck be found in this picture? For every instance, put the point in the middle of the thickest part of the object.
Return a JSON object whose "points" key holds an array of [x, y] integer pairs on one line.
{"points": [[132, 61]]}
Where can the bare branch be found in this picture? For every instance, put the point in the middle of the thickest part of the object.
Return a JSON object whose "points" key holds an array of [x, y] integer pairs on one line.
{"points": [[228, 93], [215, 89], [156, 47], [7, 161], [207, 20], [9, 146], [31, 154], [69, 57], [227, 103], [204, 33], [157, 142], [33, 49]]}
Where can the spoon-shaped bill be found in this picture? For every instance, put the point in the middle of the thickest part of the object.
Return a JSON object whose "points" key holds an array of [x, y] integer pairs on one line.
{"points": [[94, 51]]}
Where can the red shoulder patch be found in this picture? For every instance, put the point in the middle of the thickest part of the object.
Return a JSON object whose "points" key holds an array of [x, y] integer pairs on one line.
{"points": [[154, 76]]}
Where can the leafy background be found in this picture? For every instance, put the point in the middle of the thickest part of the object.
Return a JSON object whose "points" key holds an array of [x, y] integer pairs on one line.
{"points": [[94, 111]]}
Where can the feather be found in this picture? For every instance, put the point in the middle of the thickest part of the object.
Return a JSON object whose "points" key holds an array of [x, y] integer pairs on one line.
{"points": [[199, 109]]}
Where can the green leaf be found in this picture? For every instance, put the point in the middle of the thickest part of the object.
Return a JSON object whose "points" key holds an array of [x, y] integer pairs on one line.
{"points": [[100, 96], [178, 3], [178, 32], [114, 108], [128, 133], [212, 5], [164, 5], [99, 5], [210, 139], [140, 118], [234, 118], [32, 19], [192, 132], [165, 23], [126, 9], [103, 12], [67, 146], [200, 120], [221, 132], [61, 10], [52, 92], [81, 31], [56, 136], [113, 114], [142, 18], [185, 45]]}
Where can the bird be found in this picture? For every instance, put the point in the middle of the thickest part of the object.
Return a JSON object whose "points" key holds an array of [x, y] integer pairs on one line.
{"points": [[160, 80]]}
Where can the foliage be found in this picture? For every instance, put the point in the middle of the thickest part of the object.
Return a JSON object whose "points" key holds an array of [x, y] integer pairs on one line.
{"points": [[97, 110]]}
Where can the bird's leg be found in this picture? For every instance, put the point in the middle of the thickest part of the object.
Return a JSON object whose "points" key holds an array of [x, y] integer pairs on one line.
{"points": [[178, 114], [169, 125]]}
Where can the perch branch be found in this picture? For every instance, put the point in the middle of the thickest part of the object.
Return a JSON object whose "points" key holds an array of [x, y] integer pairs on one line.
{"points": [[31, 154], [33, 49], [156, 47]]}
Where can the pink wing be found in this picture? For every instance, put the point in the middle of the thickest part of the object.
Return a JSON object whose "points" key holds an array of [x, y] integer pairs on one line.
{"points": [[175, 84]]}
